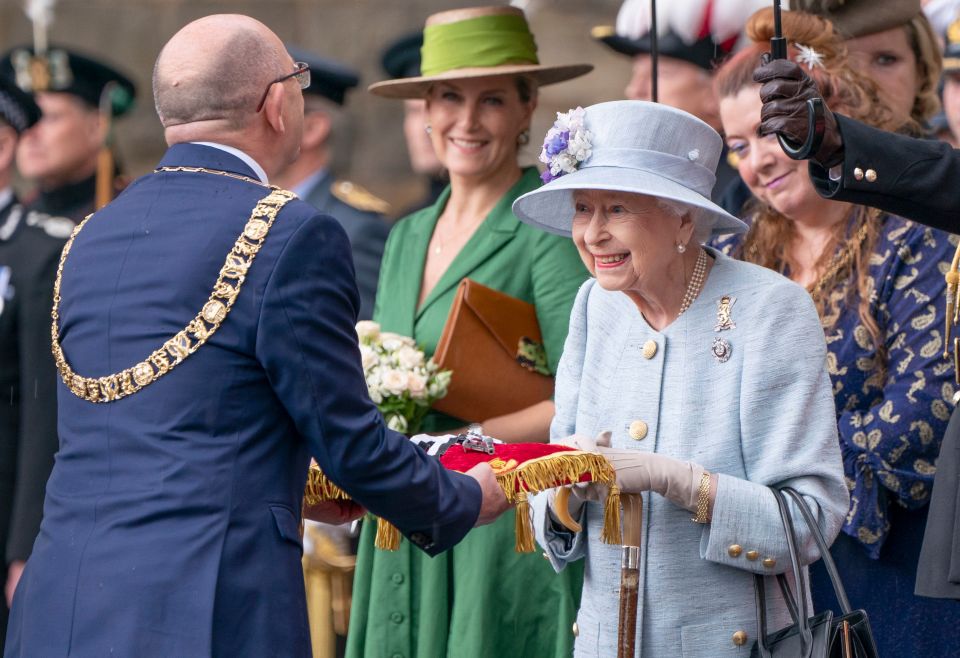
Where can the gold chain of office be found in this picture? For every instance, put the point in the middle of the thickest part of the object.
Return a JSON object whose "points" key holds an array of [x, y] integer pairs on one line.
{"points": [[198, 331]]}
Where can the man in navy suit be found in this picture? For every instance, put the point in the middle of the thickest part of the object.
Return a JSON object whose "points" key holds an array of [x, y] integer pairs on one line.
{"points": [[206, 349]]}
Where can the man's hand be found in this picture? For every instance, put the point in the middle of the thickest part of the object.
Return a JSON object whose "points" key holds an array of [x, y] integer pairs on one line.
{"points": [[785, 90], [334, 512], [494, 502], [13, 577]]}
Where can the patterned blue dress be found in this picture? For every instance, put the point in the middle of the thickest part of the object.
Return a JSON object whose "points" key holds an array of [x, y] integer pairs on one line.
{"points": [[891, 421]]}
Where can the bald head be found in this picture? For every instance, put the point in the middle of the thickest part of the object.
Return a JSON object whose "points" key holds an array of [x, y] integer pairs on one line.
{"points": [[216, 69]]}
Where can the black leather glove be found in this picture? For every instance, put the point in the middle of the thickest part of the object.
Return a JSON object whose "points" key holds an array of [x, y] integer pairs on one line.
{"points": [[785, 90]]}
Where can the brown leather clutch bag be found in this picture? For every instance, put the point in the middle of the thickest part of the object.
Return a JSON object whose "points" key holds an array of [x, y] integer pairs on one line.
{"points": [[493, 345]]}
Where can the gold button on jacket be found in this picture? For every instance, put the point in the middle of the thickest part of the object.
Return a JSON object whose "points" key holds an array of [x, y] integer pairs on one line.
{"points": [[638, 430], [753, 555], [740, 638], [871, 176], [735, 550], [769, 562], [858, 173], [650, 349], [576, 630]]}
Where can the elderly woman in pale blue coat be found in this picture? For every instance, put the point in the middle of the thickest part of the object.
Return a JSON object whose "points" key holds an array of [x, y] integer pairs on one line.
{"points": [[709, 375]]}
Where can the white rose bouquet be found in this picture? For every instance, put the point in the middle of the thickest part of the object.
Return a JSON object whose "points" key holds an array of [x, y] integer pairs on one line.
{"points": [[401, 382]]}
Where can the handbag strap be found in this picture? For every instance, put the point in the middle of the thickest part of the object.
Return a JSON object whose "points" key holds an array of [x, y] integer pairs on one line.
{"points": [[799, 611], [828, 562]]}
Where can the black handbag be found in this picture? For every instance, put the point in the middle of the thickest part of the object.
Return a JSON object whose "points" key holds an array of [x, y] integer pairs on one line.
{"points": [[819, 636]]}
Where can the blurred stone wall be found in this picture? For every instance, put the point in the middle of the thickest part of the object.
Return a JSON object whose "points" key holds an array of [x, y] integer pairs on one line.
{"points": [[130, 33]]}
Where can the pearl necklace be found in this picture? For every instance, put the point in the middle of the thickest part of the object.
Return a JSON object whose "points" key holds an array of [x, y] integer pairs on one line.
{"points": [[696, 282]]}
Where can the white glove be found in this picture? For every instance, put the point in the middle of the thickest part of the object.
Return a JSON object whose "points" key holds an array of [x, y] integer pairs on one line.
{"points": [[638, 472]]}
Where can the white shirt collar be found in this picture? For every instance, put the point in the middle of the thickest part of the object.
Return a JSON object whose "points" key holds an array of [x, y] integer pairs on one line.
{"points": [[247, 160]]}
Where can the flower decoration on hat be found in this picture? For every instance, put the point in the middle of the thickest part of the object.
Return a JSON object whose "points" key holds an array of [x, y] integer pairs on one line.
{"points": [[808, 56], [567, 144]]}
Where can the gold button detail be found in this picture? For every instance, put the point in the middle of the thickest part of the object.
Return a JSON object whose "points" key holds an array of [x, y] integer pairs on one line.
{"points": [[753, 555], [735, 550], [650, 349], [638, 430], [858, 173], [769, 562], [576, 630], [740, 638], [870, 175]]}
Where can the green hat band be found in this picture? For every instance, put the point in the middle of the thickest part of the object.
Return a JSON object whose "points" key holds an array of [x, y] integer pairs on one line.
{"points": [[477, 42]]}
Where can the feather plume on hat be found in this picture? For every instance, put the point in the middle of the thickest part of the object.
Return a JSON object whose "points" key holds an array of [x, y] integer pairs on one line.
{"points": [[691, 20], [40, 13]]}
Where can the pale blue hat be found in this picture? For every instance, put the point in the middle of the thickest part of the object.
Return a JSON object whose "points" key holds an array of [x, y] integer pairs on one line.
{"points": [[628, 146]]}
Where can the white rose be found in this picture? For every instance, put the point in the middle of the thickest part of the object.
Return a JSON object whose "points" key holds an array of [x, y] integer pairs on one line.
{"points": [[373, 389], [367, 330], [397, 423], [410, 357], [394, 382], [393, 342], [417, 385], [438, 387], [368, 357]]}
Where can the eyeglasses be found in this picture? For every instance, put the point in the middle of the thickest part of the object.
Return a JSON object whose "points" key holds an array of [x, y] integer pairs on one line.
{"points": [[301, 74]]}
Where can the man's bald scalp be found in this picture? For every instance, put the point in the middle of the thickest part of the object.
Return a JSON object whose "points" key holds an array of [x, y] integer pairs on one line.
{"points": [[201, 77]]}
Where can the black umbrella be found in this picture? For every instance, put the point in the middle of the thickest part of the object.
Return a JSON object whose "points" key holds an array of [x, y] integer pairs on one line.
{"points": [[815, 116]]}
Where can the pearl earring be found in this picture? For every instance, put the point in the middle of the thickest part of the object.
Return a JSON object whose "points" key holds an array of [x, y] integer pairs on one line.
{"points": [[523, 138], [681, 247], [428, 129]]}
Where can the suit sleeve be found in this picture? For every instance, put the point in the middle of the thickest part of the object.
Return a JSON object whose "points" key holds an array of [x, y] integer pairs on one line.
{"points": [[915, 178], [38, 439], [788, 436], [308, 345]]}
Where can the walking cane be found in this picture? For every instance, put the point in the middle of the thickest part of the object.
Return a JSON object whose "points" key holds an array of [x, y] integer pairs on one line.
{"points": [[816, 123], [629, 574]]}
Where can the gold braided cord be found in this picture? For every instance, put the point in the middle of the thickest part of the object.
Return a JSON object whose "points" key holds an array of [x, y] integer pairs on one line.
{"points": [[198, 331]]}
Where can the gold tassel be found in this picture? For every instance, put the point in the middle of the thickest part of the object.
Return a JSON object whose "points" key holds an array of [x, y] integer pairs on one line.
{"points": [[612, 532], [388, 537], [524, 524], [319, 489]]}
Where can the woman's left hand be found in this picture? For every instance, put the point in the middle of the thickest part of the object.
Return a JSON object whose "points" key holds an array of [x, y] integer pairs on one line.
{"points": [[638, 472]]}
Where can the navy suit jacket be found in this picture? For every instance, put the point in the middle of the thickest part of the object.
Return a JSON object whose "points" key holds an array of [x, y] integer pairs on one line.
{"points": [[171, 521]]}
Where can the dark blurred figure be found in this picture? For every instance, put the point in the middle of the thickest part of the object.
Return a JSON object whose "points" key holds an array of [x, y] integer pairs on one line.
{"points": [[402, 60], [951, 80], [29, 252], [79, 97], [693, 38], [326, 142]]}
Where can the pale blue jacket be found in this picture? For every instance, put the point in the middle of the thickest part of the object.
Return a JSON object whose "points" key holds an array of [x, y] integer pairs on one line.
{"points": [[763, 417]]}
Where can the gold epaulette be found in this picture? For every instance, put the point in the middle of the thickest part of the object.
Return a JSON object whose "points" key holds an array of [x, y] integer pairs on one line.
{"points": [[359, 197]]}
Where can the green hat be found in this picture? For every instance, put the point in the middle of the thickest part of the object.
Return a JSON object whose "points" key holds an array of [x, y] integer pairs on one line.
{"points": [[857, 18], [475, 43]]}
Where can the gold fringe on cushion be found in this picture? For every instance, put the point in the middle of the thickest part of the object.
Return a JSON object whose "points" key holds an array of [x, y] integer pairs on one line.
{"points": [[612, 532], [388, 537], [534, 476], [524, 525]]}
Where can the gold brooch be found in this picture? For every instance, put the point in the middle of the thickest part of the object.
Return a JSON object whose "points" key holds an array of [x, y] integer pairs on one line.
{"points": [[724, 319]]}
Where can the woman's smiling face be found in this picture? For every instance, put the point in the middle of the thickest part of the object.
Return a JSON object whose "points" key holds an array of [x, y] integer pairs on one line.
{"points": [[626, 239], [772, 176], [475, 123]]}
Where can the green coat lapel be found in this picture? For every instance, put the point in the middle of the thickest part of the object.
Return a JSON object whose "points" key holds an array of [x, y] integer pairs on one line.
{"points": [[497, 229]]}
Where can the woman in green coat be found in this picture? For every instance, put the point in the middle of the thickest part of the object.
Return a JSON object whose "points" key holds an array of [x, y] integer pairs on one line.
{"points": [[480, 598]]}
